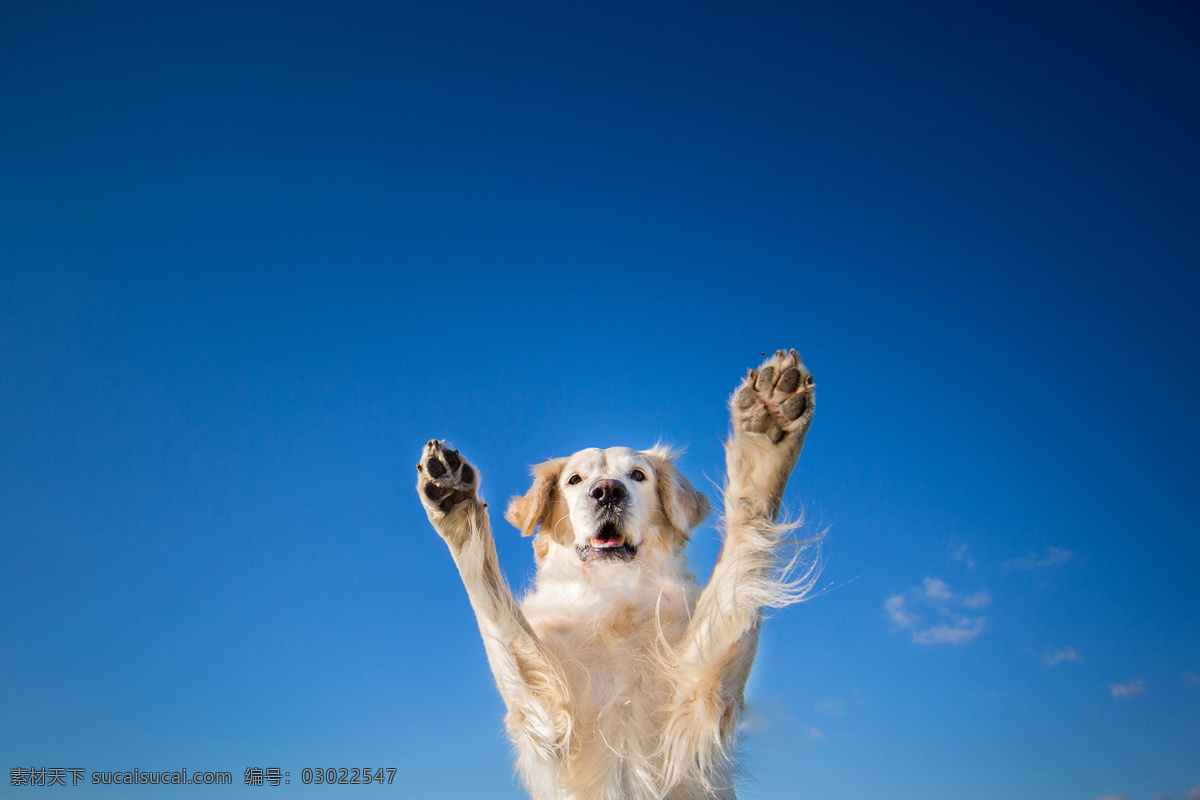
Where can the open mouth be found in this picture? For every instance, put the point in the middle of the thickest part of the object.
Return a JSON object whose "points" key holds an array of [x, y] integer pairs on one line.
{"points": [[608, 536], [609, 544]]}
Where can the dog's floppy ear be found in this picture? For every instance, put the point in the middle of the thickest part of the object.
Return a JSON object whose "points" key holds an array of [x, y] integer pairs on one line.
{"points": [[682, 505], [528, 512]]}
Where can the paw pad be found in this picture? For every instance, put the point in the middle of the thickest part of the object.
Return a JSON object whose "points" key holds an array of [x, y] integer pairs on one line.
{"points": [[445, 478], [775, 400]]}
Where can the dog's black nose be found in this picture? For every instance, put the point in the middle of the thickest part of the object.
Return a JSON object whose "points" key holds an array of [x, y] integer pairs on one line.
{"points": [[608, 492]]}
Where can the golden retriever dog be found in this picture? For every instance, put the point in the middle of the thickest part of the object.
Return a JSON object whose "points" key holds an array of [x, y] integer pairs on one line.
{"points": [[623, 679]]}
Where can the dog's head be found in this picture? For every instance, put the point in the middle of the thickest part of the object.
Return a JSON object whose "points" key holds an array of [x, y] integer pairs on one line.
{"points": [[609, 505]]}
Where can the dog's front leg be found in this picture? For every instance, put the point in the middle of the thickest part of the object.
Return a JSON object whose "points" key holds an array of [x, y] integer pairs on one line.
{"points": [[771, 412], [529, 680]]}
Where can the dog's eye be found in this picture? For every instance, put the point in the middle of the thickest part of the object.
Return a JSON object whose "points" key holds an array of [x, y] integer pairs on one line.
{"points": [[574, 479], [638, 475]]}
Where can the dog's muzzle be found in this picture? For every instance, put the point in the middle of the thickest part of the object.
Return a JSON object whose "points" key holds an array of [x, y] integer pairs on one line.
{"points": [[609, 542], [608, 494]]}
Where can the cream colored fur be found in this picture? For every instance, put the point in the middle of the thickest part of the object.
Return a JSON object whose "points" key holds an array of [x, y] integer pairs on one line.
{"points": [[622, 679]]}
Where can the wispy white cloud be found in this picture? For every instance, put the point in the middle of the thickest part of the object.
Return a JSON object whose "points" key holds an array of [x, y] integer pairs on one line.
{"points": [[950, 625], [754, 722], [1052, 556], [978, 600], [1113, 797], [1055, 656], [1194, 680], [962, 554], [960, 631], [1131, 688], [815, 733], [897, 611], [937, 590], [831, 707], [1194, 794]]}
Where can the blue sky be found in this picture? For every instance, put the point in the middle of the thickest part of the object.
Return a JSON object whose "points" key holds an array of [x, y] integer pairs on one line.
{"points": [[252, 256]]}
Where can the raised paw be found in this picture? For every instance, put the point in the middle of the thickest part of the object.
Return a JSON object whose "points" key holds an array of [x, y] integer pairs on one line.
{"points": [[776, 400], [444, 478]]}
